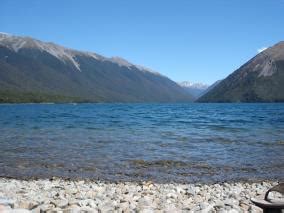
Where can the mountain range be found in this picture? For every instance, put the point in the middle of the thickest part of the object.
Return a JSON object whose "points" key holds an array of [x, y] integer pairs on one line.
{"points": [[35, 71], [261, 79]]}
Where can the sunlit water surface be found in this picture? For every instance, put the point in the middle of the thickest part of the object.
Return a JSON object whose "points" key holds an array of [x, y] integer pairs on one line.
{"points": [[134, 142]]}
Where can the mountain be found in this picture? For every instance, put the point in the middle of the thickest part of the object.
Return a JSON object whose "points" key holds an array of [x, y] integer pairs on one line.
{"points": [[194, 89], [210, 87], [261, 79], [36, 71]]}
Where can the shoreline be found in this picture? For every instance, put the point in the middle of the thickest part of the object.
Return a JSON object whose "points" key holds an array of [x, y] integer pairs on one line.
{"points": [[59, 195], [135, 181]]}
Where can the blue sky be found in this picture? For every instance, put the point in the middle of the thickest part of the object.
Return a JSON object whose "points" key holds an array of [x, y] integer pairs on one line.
{"points": [[194, 40]]}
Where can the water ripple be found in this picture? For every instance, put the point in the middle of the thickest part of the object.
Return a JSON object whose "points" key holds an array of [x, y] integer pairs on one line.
{"points": [[132, 142]]}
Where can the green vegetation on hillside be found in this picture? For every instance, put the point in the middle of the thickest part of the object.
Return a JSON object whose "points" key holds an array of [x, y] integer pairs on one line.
{"points": [[33, 97]]}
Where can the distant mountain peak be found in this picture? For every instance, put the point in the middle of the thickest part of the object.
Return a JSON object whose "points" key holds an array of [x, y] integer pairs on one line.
{"points": [[194, 89], [193, 85]]}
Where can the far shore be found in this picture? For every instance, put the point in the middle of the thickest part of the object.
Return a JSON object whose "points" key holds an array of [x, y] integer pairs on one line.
{"points": [[193, 102]]}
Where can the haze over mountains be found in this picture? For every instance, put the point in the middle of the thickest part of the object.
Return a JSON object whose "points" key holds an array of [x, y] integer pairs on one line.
{"points": [[261, 79], [36, 71]]}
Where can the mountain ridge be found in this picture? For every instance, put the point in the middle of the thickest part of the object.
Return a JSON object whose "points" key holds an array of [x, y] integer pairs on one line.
{"points": [[261, 79], [61, 51], [30, 66]]}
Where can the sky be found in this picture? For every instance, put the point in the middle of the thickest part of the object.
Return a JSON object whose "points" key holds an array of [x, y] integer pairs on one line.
{"points": [[186, 40]]}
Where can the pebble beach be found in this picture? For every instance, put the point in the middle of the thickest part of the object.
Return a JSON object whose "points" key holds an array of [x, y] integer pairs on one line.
{"points": [[58, 195]]}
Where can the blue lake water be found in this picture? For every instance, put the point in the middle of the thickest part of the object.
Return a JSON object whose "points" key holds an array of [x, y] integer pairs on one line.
{"points": [[134, 142]]}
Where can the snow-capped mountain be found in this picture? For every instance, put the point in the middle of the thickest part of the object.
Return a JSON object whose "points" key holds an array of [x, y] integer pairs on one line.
{"points": [[35, 71], [194, 89], [193, 85]]}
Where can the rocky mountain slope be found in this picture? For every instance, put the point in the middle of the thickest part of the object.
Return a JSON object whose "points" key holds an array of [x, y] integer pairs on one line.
{"points": [[261, 79], [210, 87], [36, 71]]}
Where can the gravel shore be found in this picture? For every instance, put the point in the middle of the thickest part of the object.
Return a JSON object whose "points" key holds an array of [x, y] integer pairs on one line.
{"points": [[59, 195]]}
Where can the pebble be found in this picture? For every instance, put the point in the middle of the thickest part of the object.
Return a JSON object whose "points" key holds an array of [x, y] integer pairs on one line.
{"points": [[7, 202], [27, 205], [67, 196], [60, 203]]}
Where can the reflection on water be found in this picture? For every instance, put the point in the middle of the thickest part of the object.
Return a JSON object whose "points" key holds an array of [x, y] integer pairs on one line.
{"points": [[160, 142]]}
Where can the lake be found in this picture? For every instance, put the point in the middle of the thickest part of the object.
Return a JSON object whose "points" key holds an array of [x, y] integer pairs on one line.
{"points": [[134, 142]]}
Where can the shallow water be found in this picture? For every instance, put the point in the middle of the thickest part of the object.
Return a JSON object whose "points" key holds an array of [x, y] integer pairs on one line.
{"points": [[133, 142]]}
